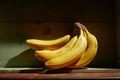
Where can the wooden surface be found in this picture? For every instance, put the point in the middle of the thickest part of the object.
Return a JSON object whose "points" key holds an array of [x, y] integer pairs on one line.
{"points": [[63, 74]]}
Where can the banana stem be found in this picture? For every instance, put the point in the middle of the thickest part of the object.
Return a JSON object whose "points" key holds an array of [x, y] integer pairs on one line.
{"points": [[81, 26]]}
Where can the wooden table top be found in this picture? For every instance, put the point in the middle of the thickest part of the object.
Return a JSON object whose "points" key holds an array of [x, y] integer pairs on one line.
{"points": [[91, 73]]}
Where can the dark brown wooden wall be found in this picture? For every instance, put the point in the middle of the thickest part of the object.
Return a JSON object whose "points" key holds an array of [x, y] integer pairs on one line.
{"points": [[98, 15], [60, 10]]}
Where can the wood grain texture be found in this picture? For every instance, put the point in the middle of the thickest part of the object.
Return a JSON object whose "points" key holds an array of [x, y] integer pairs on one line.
{"points": [[73, 75]]}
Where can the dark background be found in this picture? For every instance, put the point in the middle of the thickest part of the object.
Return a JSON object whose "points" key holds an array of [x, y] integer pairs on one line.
{"points": [[98, 15]]}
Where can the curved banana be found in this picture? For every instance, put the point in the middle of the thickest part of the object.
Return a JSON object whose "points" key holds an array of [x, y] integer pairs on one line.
{"points": [[69, 57], [37, 44], [49, 54], [89, 54]]}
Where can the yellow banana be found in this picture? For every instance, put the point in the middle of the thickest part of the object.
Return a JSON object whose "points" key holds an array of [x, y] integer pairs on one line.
{"points": [[91, 50], [49, 54], [39, 57], [69, 57], [37, 44], [89, 54]]}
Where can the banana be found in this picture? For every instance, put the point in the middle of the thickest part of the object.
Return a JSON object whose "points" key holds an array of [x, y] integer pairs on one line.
{"points": [[71, 56], [37, 44], [39, 58], [45, 55], [90, 53]]}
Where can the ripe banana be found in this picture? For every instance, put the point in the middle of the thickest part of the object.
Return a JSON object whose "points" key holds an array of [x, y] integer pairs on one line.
{"points": [[90, 53], [63, 52], [37, 44], [71, 56], [45, 55]]}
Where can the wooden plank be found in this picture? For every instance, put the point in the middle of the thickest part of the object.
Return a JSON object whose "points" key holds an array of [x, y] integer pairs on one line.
{"points": [[64, 74], [80, 75]]}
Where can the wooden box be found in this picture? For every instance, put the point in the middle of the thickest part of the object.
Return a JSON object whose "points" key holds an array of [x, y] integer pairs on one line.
{"points": [[20, 20]]}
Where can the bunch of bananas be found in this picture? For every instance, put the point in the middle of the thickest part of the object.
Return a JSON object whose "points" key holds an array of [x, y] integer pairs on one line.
{"points": [[66, 52]]}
